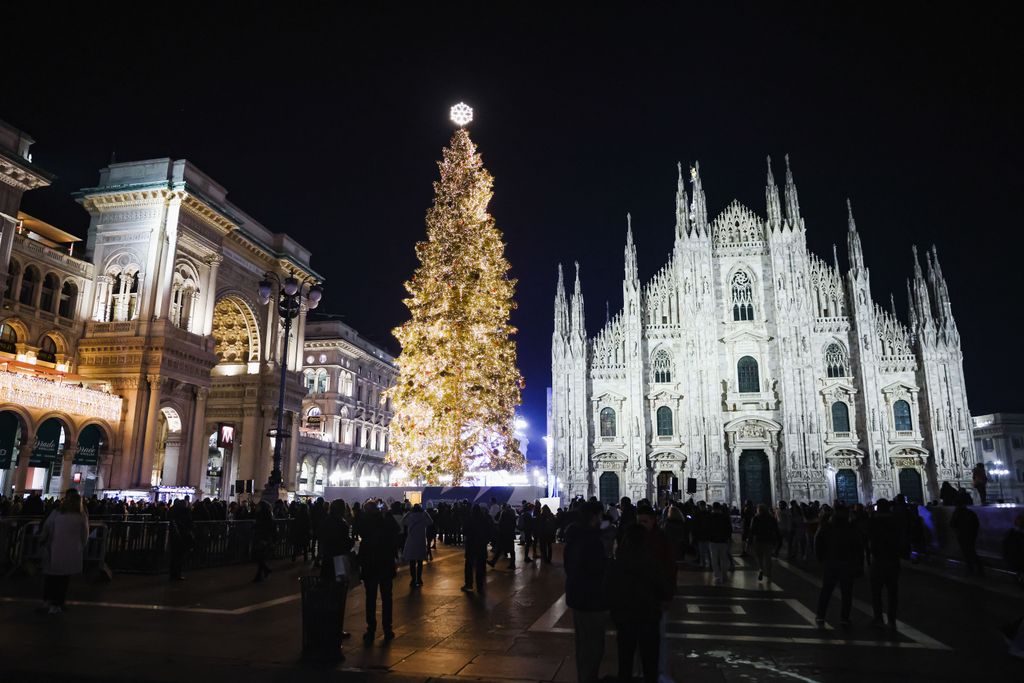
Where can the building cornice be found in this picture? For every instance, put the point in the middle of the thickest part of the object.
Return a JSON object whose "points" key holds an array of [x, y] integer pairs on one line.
{"points": [[22, 174]]}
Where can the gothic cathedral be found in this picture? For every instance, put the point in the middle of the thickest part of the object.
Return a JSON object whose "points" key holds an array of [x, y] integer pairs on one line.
{"points": [[761, 371]]}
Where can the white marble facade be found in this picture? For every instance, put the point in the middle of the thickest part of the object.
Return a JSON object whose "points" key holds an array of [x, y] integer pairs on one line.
{"points": [[760, 370]]}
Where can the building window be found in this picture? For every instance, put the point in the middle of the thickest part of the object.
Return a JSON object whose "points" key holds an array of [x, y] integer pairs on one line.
{"points": [[986, 445], [901, 416], [50, 286], [607, 422], [664, 421], [746, 371], [1017, 442], [662, 367], [8, 339], [47, 350], [28, 286], [68, 300], [840, 417], [321, 381], [742, 296], [12, 276], [835, 361], [309, 378]]}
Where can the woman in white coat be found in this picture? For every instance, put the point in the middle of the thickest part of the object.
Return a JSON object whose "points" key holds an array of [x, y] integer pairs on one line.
{"points": [[63, 540], [416, 523]]}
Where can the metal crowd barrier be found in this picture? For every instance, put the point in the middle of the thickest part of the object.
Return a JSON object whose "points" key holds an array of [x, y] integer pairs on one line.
{"points": [[140, 546]]}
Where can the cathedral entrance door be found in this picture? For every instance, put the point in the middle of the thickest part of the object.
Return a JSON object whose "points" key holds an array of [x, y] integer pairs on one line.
{"points": [[910, 485], [608, 486], [668, 484], [755, 479], [846, 487]]}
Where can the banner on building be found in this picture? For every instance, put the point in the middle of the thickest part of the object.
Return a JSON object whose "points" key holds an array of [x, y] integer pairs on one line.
{"points": [[225, 436], [45, 446], [87, 452]]}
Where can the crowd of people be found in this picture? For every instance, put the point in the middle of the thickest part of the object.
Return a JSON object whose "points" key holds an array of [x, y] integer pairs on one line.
{"points": [[620, 561]]}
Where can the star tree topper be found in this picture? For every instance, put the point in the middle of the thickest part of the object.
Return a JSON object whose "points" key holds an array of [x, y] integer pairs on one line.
{"points": [[461, 114]]}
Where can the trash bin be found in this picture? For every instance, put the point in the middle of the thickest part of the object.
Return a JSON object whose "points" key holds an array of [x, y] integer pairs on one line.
{"points": [[323, 609]]}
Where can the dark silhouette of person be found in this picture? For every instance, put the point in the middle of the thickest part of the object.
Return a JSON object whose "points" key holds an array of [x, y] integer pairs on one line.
{"points": [[585, 567], [885, 542], [478, 533], [839, 548], [378, 545], [965, 524]]}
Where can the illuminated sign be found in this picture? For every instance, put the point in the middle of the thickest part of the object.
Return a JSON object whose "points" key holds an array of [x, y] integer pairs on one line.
{"points": [[225, 436]]}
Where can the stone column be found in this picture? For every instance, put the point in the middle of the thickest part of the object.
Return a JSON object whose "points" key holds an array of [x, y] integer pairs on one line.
{"points": [[214, 262], [195, 472], [67, 460], [143, 475], [24, 452]]}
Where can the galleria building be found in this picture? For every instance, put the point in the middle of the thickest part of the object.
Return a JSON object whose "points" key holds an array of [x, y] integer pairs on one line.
{"points": [[141, 362], [759, 370]]}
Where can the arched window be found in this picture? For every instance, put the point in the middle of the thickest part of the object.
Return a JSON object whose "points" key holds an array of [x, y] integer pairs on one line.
{"points": [[835, 361], [662, 367], [313, 417], [901, 416], [184, 295], [28, 285], [742, 296], [746, 372], [12, 275], [68, 300], [664, 421], [607, 422], [8, 339], [50, 286], [840, 417], [309, 379], [47, 350], [321, 381]]}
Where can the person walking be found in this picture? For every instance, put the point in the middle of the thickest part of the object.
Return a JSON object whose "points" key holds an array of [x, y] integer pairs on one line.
{"points": [[719, 534], [838, 547], [334, 538], [764, 539], [884, 542], [416, 523], [299, 529], [585, 566], [478, 533], [263, 533], [378, 544], [965, 523], [545, 531], [62, 539], [181, 537], [979, 478], [506, 537]]}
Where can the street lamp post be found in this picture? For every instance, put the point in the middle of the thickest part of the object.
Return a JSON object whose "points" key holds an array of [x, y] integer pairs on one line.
{"points": [[999, 473], [290, 295]]}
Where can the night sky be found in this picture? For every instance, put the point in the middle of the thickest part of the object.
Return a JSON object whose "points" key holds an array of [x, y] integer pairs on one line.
{"points": [[327, 124]]}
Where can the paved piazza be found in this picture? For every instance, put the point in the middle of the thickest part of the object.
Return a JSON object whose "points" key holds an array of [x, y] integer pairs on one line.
{"points": [[218, 624]]}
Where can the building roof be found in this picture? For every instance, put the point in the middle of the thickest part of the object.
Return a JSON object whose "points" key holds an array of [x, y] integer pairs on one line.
{"points": [[52, 235]]}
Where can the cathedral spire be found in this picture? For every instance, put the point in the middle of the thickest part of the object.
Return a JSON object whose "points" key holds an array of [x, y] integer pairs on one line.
{"points": [[924, 306], [578, 321], [699, 207], [892, 304], [682, 207], [772, 199], [911, 307], [631, 273], [792, 201], [853, 249], [943, 306], [561, 306]]}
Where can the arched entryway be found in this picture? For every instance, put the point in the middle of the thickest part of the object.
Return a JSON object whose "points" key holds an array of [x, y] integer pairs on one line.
{"points": [[10, 443], [668, 487], [608, 488], [911, 485], [45, 458], [85, 464], [755, 477], [168, 447], [846, 487]]}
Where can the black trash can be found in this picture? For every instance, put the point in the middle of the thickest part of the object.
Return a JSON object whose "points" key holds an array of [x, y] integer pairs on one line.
{"points": [[323, 609]]}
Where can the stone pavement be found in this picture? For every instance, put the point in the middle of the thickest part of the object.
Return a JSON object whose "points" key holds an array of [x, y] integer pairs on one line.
{"points": [[219, 625]]}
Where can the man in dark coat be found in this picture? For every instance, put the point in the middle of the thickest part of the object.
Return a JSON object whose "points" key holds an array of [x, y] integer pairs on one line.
{"points": [[965, 523], [885, 541], [181, 537], [477, 534], [378, 545], [506, 537], [838, 546], [585, 565]]}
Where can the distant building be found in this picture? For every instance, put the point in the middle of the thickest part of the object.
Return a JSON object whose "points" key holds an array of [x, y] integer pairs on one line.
{"points": [[759, 369], [999, 443]]}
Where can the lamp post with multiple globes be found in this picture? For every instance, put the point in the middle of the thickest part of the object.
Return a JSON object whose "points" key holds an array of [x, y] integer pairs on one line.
{"points": [[291, 293]]}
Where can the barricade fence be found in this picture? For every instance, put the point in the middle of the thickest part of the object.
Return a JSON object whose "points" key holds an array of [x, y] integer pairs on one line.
{"points": [[140, 546]]}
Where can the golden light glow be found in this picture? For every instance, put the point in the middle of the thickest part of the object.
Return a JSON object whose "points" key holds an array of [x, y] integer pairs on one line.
{"points": [[461, 114], [458, 384]]}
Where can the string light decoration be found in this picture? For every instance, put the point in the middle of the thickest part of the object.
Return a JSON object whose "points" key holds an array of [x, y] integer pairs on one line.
{"points": [[461, 114], [458, 385]]}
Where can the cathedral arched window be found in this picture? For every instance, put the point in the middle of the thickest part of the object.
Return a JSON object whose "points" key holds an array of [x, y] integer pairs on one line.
{"points": [[835, 361], [742, 296], [662, 367], [746, 373], [840, 417], [664, 421], [901, 416], [607, 422]]}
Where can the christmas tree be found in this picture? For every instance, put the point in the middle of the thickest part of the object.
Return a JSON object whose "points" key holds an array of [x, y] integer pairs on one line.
{"points": [[458, 384]]}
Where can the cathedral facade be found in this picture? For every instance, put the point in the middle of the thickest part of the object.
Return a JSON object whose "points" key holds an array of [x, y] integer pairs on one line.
{"points": [[760, 370]]}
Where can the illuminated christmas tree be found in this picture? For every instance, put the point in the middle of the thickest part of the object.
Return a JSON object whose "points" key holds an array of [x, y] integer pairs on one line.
{"points": [[458, 384]]}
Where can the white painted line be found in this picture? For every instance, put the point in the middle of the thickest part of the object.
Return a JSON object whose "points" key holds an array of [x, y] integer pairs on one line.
{"points": [[547, 621], [803, 641], [698, 608], [740, 624]]}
